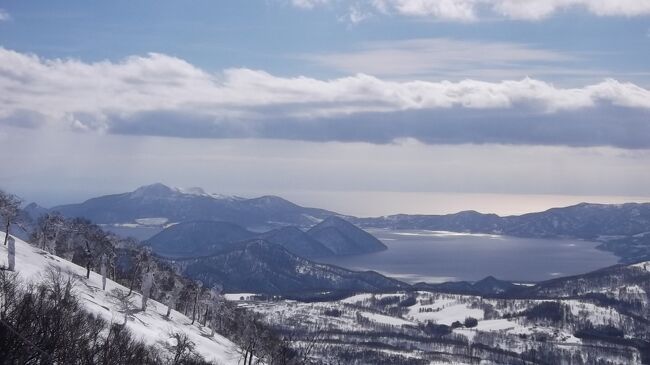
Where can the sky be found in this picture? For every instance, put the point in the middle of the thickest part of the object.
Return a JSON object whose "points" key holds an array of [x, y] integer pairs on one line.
{"points": [[366, 107]]}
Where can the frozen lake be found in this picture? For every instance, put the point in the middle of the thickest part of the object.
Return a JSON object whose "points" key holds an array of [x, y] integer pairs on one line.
{"points": [[432, 256]]}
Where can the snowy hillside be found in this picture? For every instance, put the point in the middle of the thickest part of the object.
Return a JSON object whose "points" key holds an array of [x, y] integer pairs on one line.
{"points": [[151, 326], [425, 327]]}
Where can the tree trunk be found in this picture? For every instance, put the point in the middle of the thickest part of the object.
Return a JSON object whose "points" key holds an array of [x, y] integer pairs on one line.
{"points": [[7, 231], [89, 258], [205, 315], [11, 260], [196, 299], [103, 271], [135, 272]]}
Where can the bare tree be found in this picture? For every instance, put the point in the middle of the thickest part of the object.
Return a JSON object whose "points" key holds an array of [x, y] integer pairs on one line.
{"points": [[183, 349], [142, 259], [50, 230], [172, 296], [125, 303], [9, 211], [197, 294]]}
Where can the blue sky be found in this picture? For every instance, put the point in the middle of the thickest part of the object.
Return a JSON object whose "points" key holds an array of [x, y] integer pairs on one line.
{"points": [[483, 81], [273, 35]]}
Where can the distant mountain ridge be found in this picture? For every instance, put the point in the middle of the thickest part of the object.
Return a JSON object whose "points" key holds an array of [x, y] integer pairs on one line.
{"points": [[332, 237], [343, 238], [623, 229], [180, 205], [584, 220], [260, 266], [297, 242], [487, 286], [197, 238]]}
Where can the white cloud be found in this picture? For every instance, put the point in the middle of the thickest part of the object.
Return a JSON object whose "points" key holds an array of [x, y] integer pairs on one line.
{"points": [[538, 9], [4, 16], [72, 93], [308, 4], [469, 10], [462, 10], [439, 57], [356, 15]]}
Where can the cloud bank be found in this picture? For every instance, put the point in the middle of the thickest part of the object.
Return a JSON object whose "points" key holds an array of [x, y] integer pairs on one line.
{"points": [[471, 10], [161, 95]]}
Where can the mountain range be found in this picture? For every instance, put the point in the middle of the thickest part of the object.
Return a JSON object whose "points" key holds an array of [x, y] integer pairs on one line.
{"points": [[180, 205], [190, 222], [260, 266], [584, 220], [623, 229], [332, 237]]}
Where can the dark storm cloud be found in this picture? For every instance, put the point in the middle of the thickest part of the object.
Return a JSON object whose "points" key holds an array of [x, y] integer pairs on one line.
{"points": [[602, 126]]}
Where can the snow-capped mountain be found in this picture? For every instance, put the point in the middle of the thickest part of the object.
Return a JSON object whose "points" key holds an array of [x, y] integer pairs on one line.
{"points": [[179, 205]]}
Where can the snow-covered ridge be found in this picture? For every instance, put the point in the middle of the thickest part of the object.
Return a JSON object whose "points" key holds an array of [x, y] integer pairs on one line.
{"points": [[197, 191], [427, 233], [150, 327], [642, 265]]}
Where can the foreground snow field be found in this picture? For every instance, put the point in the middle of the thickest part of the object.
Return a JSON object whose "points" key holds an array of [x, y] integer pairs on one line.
{"points": [[151, 326]]}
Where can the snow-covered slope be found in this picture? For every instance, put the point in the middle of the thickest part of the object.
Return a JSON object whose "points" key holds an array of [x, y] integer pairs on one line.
{"points": [[150, 326]]}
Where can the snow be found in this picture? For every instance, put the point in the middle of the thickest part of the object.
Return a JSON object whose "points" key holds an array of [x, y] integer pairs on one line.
{"points": [[237, 296], [595, 314], [426, 233], [156, 221], [642, 265], [192, 191], [312, 218], [380, 318], [151, 326], [446, 314], [355, 299]]}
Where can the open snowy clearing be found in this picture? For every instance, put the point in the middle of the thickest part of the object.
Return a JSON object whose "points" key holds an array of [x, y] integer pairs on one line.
{"points": [[151, 326]]}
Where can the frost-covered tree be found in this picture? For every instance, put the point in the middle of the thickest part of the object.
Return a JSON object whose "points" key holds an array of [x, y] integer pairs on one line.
{"points": [[11, 259], [102, 270], [210, 302], [147, 285], [141, 260], [88, 243], [9, 211], [51, 229], [197, 294], [172, 296]]}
